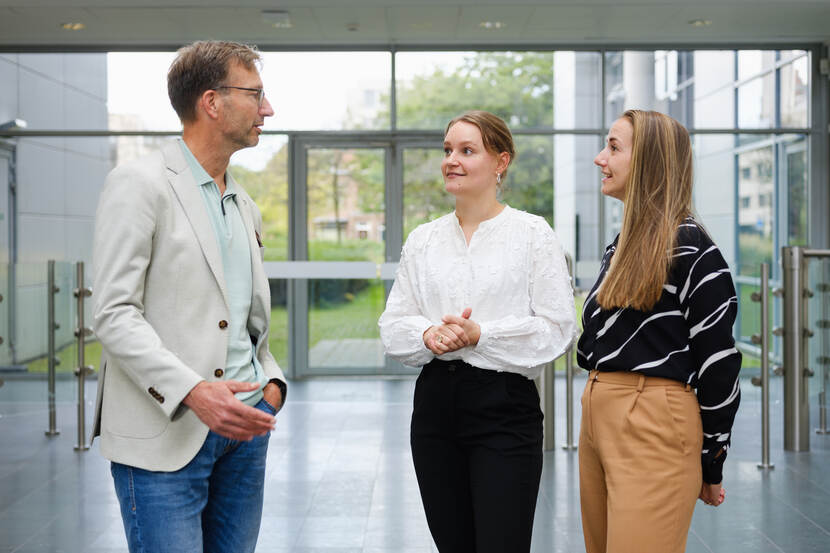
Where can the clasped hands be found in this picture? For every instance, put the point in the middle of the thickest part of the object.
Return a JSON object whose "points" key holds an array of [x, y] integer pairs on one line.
{"points": [[454, 333]]}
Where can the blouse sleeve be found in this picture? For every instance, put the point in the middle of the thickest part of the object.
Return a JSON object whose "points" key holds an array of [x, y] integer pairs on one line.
{"points": [[402, 324], [710, 305], [551, 327]]}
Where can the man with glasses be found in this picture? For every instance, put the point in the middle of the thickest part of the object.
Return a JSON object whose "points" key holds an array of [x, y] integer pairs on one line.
{"points": [[188, 388]]}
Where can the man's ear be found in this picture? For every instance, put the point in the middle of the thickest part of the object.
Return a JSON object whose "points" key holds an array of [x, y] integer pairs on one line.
{"points": [[209, 104]]}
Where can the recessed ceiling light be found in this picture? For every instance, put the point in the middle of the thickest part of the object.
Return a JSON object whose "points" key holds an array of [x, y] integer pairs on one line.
{"points": [[492, 25], [700, 22], [279, 19], [74, 26]]}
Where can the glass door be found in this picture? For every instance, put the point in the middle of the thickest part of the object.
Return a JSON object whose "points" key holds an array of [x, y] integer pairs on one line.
{"points": [[353, 199], [345, 189]]}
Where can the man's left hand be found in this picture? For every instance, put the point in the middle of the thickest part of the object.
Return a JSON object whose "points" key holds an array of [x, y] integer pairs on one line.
{"points": [[273, 395]]}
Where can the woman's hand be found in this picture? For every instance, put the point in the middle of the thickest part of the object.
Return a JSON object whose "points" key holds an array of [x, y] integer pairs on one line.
{"points": [[444, 338], [712, 494], [454, 334], [464, 325]]}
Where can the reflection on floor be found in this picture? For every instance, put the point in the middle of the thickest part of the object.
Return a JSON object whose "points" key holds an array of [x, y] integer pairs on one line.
{"points": [[340, 480]]}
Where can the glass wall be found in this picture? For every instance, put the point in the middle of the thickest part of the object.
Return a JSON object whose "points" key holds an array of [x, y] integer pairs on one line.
{"points": [[748, 110], [751, 187]]}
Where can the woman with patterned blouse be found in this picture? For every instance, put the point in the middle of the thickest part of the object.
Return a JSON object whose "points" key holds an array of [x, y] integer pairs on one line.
{"points": [[481, 300], [662, 394]]}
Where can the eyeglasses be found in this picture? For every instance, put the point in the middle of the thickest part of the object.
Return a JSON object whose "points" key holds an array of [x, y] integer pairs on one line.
{"points": [[260, 92]]}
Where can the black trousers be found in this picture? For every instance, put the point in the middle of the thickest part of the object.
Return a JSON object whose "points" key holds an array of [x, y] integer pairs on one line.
{"points": [[476, 441]]}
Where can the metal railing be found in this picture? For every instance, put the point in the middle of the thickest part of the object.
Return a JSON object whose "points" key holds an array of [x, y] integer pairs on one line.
{"points": [[823, 360], [81, 332], [569, 374], [796, 335], [762, 339], [51, 328]]}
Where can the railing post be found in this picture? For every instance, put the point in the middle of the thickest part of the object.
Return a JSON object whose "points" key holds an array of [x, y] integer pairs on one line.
{"points": [[823, 360], [762, 339], [52, 327], [548, 391], [569, 379], [81, 332], [796, 401]]}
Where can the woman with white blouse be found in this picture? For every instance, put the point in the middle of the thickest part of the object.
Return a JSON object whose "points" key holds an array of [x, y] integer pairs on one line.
{"points": [[481, 300]]}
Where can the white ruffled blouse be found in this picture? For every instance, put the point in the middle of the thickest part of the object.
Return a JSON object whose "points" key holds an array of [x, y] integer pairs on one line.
{"points": [[512, 274]]}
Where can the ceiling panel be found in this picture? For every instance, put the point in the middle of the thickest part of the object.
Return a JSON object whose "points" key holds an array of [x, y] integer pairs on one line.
{"points": [[35, 24], [423, 23]]}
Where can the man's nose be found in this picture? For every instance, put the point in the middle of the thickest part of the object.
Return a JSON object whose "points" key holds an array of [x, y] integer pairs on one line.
{"points": [[266, 109]]}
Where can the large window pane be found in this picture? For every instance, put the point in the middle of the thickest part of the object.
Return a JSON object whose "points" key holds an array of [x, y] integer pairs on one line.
{"points": [[795, 93], [327, 90], [137, 92], [794, 173], [54, 91], [576, 189], [756, 103], [345, 191], [716, 110], [529, 182], [755, 209], [424, 196], [434, 87], [652, 80], [308, 90], [714, 189], [278, 333], [754, 62], [263, 172], [343, 326], [714, 70], [577, 98]]}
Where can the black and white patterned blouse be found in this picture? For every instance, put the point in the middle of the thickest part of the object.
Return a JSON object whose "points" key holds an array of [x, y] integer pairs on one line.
{"points": [[686, 336]]}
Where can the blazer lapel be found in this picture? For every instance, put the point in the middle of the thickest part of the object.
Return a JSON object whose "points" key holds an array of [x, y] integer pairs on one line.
{"points": [[190, 198], [259, 310]]}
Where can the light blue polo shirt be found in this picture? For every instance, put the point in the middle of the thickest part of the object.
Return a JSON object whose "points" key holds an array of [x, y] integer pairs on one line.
{"points": [[241, 364]]}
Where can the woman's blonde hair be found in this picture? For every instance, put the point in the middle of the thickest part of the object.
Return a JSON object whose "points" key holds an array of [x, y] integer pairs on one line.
{"points": [[658, 197]]}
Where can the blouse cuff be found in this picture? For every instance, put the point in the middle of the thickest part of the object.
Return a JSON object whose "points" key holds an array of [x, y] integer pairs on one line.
{"points": [[713, 468], [485, 335]]}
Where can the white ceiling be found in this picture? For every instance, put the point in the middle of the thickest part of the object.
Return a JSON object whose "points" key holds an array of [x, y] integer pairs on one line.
{"points": [[35, 24]]}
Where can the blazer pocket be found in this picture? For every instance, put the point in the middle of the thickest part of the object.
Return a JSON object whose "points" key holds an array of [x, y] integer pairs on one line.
{"points": [[127, 413]]}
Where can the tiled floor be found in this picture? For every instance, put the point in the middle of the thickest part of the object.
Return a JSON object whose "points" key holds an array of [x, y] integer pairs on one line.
{"points": [[340, 480]]}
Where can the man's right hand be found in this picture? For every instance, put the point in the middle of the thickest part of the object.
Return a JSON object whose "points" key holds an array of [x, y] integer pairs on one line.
{"points": [[216, 406]]}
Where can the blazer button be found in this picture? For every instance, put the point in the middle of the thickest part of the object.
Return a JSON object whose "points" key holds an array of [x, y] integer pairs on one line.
{"points": [[223, 324], [218, 373]]}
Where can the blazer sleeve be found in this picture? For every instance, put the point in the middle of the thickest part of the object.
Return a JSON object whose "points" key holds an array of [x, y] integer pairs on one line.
{"points": [[125, 227]]}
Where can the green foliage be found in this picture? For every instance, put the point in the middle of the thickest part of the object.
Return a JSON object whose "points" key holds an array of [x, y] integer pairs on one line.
{"points": [[517, 86], [269, 189]]}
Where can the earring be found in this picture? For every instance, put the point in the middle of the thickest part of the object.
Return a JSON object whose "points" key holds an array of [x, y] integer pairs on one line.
{"points": [[498, 178]]}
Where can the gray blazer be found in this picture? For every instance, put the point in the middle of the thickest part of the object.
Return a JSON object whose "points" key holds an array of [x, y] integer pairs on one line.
{"points": [[160, 309]]}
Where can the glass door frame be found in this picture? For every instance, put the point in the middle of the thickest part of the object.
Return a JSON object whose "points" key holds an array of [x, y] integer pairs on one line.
{"points": [[299, 269]]}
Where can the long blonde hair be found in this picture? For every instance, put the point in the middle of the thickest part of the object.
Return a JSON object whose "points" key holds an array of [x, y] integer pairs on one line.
{"points": [[658, 197]]}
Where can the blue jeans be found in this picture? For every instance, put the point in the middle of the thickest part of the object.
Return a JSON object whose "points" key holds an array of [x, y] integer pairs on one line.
{"points": [[212, 504]]}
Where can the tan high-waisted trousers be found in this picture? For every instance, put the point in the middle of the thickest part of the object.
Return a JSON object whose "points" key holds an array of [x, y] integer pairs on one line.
{"points": [[639, 463]]}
